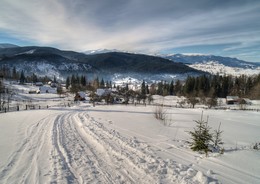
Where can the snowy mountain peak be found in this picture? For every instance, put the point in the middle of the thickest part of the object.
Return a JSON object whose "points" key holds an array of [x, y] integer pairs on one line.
{"points": [[193, 58], [7, 45], [188, 54], [101, 51]]}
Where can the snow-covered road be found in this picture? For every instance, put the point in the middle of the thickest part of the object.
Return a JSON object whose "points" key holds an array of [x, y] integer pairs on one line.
{"points": [[73, 147], [122, 144]]}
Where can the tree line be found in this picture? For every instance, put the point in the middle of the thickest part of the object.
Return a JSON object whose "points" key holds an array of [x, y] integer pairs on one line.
{"points": [[21, 77], [76, 83], [212, 86]]}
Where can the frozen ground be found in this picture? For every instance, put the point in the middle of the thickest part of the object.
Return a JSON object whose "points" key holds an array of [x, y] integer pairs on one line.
{"points": [[124, 144]]}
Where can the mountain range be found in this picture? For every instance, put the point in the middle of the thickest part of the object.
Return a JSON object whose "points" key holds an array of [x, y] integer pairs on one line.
{"points": [[52, 61], [111, 64]]}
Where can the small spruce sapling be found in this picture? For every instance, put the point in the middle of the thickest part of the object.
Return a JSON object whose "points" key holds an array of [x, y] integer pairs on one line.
{"points": [[217, 140], [201, 136]]}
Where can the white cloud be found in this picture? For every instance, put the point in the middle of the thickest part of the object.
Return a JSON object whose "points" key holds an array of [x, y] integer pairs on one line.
{"points": [[133, 25]]}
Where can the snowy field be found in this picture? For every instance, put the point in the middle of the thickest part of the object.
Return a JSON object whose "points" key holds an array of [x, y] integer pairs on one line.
{"points": [[124, 144], [21, 97]]}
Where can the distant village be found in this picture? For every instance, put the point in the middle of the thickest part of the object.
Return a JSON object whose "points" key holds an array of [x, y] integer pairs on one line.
{"points": [[204, 89]]}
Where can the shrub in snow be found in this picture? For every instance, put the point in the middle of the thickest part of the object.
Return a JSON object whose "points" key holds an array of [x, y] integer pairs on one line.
{"points": [[212, 102], [256, 146], [159, 113], [217, 140]]}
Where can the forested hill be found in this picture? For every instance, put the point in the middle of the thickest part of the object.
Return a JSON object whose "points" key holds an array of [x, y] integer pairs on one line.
{"points": [[126, 62]]}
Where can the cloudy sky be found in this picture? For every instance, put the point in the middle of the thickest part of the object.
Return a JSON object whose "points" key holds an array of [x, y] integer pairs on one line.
{"points": [[220, 27]]}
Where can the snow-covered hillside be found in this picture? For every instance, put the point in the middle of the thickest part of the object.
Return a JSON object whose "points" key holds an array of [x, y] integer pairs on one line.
{"points": [[124, 144], [101, 51], [216, 64], [214, 67], [7, 45]]}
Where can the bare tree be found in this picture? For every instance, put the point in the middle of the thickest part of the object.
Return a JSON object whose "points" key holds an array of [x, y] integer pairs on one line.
{"points": [[192, 100], [217, 140]]}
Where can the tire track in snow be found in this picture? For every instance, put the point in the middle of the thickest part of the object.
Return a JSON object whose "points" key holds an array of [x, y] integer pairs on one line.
{"points": [[61, 168], [25, 163], [139, 154], [75, 148], [82, 139], [78, 155], [188, 158]]}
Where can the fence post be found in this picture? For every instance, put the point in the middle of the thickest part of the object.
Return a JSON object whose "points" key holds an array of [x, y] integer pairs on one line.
{"points": [[47, 106], [17, 107], [25, 107]]}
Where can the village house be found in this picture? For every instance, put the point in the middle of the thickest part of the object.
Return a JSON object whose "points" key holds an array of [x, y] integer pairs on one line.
{"points": [[230, 100], [80, 96], [103, 92], [47, 89], [38, 84]]}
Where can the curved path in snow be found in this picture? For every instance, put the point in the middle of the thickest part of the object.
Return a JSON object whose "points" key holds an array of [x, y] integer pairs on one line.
{"points": [[75, 148]]}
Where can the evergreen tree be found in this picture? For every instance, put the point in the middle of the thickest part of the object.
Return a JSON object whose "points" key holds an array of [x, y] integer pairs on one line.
{"points": [[14, 73], [75, 86], [107, 84], [197, 85], [147, 89], [34, 78], [73, 80], [189, 85], [67, 82], [201, 137], [22, 77], [249, 85], [178, 87], [83, 80], [143, 90], [225, 86], [171, 88], [54, 79], [77, 80], [59, 90], [165, 89], [102, 83], [160, 88]]}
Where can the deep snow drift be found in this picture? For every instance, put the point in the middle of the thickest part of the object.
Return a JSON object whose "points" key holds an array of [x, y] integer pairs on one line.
{"points": [[124, 144]]}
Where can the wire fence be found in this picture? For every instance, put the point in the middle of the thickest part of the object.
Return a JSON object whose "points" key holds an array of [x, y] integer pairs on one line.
{"points": [[23, 106]]}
